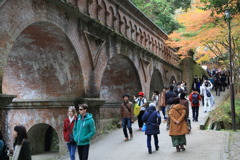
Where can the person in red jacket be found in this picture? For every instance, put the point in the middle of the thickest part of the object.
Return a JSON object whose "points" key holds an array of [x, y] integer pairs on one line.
{"points": [[194, 98], [67, 131]]}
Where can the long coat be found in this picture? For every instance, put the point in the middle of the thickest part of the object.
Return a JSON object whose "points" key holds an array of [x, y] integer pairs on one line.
{"points": [[152, 119], [178, 113]]}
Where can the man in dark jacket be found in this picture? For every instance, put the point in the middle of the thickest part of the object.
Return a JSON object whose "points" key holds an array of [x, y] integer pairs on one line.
{"points": [[152, 120], [168, 99], [127, 117]]}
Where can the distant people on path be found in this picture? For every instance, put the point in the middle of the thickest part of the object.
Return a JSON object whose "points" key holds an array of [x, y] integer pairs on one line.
{"points": [[142, 102], [83, 131], [3, 148], [184, 87], [178, 125], [194, 98], [127, 116], [152, 120], [174, 83], [162, 102], [68, 131], [168, 99], [208, 97], [217, 84], [21, 145], [178, 90], [155, 97]]}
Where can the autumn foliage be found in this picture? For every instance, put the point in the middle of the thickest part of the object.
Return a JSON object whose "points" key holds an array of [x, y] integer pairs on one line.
{"points": [[205, 33]]}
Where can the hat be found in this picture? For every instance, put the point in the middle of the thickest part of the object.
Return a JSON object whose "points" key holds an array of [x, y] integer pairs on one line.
{"points": [[141, 94], [152, 105]]}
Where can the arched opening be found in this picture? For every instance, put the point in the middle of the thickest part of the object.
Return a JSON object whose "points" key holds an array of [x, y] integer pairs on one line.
{"points": [[172, 79], [43, 64], [120, 77], [156, 82], [43, 138]]}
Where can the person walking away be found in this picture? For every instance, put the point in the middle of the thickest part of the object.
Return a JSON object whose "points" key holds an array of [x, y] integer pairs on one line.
{"points": [[127, 116], [155, 97], [21, 145], [3, 148], [162, 103], [217, 83], [152, 120], [208, 97], [194, 98], [184, 101], [142, 103], [168, 99], [178, 125], [67, 131], [83, 131]]}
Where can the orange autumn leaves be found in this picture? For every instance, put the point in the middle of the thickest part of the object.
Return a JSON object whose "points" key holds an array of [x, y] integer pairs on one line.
{"points": [[199, 31]]}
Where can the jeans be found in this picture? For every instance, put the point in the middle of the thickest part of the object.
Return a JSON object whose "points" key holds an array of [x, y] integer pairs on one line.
{"points": [[218, 91], [195, 110], [149, 141], [140, 122], [164, 112], [72, 150], [126, 123], [83, 152], [209, 102]]}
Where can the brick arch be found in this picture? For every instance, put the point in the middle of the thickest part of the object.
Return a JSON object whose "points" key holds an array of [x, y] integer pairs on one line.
{"points": [[156, 81], [28, 15], [93, 9], [120, 23], [120, 76], [102, 12], [43, 137], [111, 18], [38, 66], [172, 77]]}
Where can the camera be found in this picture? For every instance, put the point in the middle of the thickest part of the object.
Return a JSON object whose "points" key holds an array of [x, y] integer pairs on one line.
{"points": [[207, 83]]}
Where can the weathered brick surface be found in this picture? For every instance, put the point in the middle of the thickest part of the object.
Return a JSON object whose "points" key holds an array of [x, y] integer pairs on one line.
{"points": [[52, 49]]}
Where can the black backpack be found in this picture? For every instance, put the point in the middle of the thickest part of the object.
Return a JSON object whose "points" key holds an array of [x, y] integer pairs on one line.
{"points": [[195, 99]]}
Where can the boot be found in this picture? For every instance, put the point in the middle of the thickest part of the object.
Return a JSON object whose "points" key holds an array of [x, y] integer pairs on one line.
{"points": [[157, 148], [177, 148], [150, 150], [182, 147]]}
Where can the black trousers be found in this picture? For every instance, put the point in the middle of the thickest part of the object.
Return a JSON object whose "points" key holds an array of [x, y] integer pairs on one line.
{"points": [[195, 111], [83, 152], [140, 121]]}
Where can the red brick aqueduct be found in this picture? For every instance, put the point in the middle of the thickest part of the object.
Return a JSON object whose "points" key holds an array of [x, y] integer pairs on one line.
{"points": [[56, 53]]}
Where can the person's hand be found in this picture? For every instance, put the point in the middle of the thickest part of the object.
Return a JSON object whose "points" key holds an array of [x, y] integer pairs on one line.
{"points": [[134, 97], [177, 122]]}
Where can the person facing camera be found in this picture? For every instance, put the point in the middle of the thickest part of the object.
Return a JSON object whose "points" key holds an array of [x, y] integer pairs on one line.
{"points": [[152, 120]]}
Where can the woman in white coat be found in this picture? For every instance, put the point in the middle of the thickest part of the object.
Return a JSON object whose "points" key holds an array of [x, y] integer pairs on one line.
{"points": [[208, 97]]}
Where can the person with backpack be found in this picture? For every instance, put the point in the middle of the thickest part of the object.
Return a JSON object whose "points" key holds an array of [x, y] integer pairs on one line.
{"points": [[67, 131], [194, 98], [127, 117], [152, 120], [208, 97], [142, 102], [3, 148], [178, 125]]}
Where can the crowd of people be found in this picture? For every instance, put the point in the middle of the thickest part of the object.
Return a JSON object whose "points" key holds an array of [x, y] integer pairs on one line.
{"points": [[172, 101]]}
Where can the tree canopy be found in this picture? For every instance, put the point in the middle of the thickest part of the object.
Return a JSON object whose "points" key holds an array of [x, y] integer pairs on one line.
{"points": [[161, 12]]}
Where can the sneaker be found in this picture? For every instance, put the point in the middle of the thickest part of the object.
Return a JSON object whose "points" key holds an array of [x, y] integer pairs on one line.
{"points": [[205, 112], [131, 136], [126, 139], [157, 148]]}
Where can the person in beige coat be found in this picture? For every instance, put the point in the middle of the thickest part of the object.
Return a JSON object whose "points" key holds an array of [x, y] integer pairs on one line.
{"points": [[178, 126]]}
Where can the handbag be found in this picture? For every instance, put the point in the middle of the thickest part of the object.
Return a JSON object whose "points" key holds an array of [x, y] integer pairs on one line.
{"points": [[136, 109], [144, 127], [208, 93]]}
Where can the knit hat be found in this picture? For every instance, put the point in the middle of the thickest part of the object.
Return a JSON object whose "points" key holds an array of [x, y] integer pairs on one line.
{"points": [[152, 105]]}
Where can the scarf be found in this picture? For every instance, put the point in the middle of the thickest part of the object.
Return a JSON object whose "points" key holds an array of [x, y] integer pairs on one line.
{"points": [[71, 119]]}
